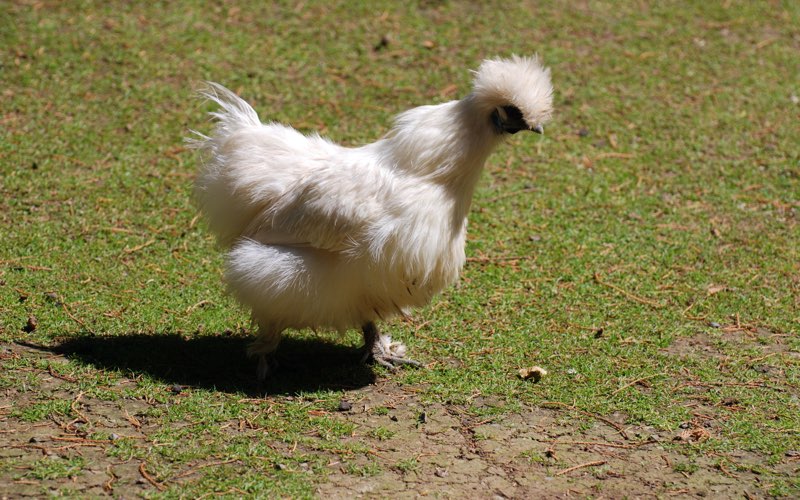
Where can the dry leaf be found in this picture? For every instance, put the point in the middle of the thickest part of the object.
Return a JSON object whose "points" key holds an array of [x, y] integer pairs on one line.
{"points": [[695, 434], [534, 372]]}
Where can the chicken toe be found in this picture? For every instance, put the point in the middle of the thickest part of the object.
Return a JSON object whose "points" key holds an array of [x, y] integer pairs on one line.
{"points": [[383, 351]]}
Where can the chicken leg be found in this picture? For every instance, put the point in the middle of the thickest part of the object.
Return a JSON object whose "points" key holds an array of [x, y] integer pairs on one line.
{"points": [[263, 347], [382, 350]]}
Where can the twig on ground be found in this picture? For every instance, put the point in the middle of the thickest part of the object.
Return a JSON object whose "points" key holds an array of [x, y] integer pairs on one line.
{"points": [[581, 466], [761, 358], [15, 260], [685, 313], [138, 247], [16, 263], [149, 478], [632, 296], [752, 385], [609, 445], [54, 374], [494, 260], [132, 420], [589, 414], [202, 303], [726, 471], [203, 466], [79, 440], [74, 407], [108, 486], [510, 194], [73, 317], [623, 156], [629, 384], [431, 339], [49, 451], [478, 424]]}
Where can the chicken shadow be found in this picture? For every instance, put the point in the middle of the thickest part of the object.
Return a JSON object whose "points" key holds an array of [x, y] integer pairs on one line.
{"points": [[219, 362]]}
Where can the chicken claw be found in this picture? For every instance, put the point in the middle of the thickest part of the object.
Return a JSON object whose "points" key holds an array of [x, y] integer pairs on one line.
{"points": [[380, 349]]}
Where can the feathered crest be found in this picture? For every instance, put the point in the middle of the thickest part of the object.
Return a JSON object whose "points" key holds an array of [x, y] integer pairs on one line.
{"points": [[519, 81]]}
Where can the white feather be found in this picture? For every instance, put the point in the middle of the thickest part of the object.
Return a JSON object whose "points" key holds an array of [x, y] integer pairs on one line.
{"points": [[323, 236]]}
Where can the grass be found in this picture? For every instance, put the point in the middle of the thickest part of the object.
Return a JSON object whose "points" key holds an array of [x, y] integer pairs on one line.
{"points": [[661, 206]]}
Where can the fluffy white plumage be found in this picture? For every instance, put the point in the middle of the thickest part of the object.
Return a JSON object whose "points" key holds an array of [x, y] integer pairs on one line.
{"points": [[322, 236]]}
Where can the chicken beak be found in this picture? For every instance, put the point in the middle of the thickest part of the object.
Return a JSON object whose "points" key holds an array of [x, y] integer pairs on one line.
{"points": [[538, 129]]}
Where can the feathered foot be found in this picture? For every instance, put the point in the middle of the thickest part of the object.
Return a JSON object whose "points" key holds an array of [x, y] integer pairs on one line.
{"points": [[263, 347], [382, 350]]}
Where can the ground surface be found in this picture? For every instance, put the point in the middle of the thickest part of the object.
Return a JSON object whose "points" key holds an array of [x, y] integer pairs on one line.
{"points": [[645, 251], [397, 443]]}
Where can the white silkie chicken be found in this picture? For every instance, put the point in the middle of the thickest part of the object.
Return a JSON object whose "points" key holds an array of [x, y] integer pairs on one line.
{"points": [[322, 236]]}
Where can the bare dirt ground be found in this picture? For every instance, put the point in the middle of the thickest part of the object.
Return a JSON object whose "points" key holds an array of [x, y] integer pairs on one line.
{"points": [[539, 451], [423, 449]]}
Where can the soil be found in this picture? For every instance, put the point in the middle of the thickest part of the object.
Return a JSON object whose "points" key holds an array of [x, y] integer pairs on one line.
{"points": [[423, 449]]}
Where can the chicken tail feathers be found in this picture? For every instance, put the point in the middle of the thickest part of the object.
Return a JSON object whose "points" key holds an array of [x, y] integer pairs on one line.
{"points": [[235, 112], [217, 187]]}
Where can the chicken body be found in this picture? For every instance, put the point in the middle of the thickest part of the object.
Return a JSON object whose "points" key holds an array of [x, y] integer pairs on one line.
{"points": [[322, 236]]}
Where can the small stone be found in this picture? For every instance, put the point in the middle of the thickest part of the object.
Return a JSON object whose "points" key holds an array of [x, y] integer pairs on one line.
{"points": [[382, 43], [280, 466], [31, 325], [393, 418], [113, 437], [344, 406], [441, 472], [714, 324]]}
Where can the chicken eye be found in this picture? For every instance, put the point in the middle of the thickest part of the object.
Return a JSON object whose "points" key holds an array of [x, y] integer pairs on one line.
{"points": [[512, 113], [499, 117]]}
